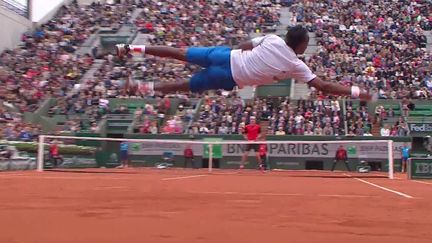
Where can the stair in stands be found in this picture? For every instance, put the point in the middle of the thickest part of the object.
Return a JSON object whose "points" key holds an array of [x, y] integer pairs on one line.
{"points": [[285, 16], [376, 130], [300, 91], [119, 123], [247, 93], [428, 35]]}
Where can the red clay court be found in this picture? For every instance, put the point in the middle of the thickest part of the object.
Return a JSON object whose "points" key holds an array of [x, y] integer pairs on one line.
{"points": [[149, 205]]}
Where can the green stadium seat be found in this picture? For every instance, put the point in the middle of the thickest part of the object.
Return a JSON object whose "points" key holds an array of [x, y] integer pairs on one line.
{"points": [[421, 113], [423, 107], [393, 106]]}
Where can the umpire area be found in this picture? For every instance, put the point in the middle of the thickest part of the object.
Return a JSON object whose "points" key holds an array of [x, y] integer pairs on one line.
{"points": [[231, 206]]}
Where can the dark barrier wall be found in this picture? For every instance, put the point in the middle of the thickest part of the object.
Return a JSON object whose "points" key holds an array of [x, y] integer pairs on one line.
{"points": [[280, 162]]}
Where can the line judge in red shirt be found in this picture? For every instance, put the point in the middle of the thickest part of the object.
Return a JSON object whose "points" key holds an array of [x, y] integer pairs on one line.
{"points": [[341, 156], [252, 132]]}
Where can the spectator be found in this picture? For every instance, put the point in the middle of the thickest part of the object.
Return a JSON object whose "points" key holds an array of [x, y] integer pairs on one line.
{"points": [[223, 129], [328, 130], [54, 155], [367, 133], [280, 131], [188, 156], [385, 131], [403, 130]]}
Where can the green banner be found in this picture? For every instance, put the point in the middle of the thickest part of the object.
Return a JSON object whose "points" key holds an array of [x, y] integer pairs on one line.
{"points": [[352, 150], [217, 149], [421, 168]]}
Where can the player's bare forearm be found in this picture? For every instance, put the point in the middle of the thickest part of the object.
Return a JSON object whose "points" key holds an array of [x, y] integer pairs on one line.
{"points": [[336, 88]]}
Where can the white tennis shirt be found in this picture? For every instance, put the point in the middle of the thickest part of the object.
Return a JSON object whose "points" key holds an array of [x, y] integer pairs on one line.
{"points": [[270, 61]]}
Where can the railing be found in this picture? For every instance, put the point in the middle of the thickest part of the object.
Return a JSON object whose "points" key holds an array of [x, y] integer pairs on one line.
{"points": [[16, 7]]}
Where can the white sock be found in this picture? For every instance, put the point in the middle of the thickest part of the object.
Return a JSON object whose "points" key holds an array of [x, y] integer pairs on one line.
{"points": [[137, 48]]}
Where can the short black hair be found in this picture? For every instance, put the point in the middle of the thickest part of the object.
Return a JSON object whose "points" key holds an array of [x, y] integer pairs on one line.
{"points": [[296, 35]]}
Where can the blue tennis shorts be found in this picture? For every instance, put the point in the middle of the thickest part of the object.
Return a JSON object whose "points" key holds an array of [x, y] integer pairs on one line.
{"points": [[217, 73]]}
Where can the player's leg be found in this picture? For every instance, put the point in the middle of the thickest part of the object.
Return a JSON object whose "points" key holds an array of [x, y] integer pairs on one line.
{"points": [[404, 162], [266, 162], [132, 87], [218, 75], [248, 148], [123, 158], [203, 56], [347, 165], [160, 51], [212, 78], [334, 165], [260, 162]]}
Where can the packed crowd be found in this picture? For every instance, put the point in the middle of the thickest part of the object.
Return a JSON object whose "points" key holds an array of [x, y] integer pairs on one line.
{"points": [[223, 115], [283, 117], [45, 64], [12, 126], [359, 120], [368, 43], [306, 117], [379, 45]]}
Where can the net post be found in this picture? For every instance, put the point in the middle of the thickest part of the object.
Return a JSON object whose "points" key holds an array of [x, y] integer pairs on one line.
{"points": [[391, 160], [40, 155], [210, 157]]}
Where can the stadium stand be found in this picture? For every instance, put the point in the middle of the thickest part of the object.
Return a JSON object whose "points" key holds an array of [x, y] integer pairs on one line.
{"points": [[80, 92]]}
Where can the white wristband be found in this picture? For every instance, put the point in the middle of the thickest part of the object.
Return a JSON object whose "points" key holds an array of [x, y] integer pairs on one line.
{"points": [[355, 92]]}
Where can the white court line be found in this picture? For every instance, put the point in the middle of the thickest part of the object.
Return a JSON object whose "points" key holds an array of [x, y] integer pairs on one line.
{"points": [[347, 196], [62, 177], [284, 194], [422, 182], [222, 173], [381, 187], [182, 177]]}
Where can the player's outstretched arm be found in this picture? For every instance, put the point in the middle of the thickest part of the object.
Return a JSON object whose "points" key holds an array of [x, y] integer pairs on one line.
{"points": [[338, 89]]}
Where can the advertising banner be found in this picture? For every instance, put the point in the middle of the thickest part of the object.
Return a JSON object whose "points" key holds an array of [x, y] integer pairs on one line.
{"points": [[315, 150], [420, 128]]}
